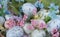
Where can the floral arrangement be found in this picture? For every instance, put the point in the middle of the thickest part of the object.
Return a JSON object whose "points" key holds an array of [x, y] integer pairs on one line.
{"points": [[29, 22]]}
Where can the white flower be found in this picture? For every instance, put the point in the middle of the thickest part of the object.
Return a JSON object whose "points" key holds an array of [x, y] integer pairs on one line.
{"points": [[2, 20], [15, 32], [19, 0], [28, 8], [38, 33], [43, 13], [7, 17], [26, 28]]}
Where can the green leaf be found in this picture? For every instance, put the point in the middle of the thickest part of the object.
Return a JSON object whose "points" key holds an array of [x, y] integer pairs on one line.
{"points": [[15, 10]]}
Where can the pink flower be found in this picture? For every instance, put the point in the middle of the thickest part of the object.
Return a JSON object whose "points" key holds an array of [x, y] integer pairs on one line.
{"points": [[10, 23], [0, 6], [34, 22], [25, 17], [22, 23], [25, 36], [30, 27], [42, 24], [55, 33], [34, 11]]}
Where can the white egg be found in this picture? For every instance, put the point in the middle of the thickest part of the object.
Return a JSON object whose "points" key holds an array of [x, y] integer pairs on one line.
{"points": [[2, 20], [55, 23], [38, 33], [15, 32], [28, 8]]}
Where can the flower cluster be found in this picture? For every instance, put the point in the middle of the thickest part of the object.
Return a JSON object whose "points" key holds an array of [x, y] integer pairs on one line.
{"points": [[37, 26], [12, 21]]}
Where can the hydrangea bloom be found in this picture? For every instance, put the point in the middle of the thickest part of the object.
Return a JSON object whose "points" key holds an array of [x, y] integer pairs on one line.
{"points": [[15, 32], [53, 10], [5, 5], [40, 24], [29, 9], [7, 17], [38, 33], [42, 13], [2, 20], [28, 28], [52, 15], [55, 33], [38, 4], [0, 6], [53, 24], [19, 0], [10, 23], [53, 7]]}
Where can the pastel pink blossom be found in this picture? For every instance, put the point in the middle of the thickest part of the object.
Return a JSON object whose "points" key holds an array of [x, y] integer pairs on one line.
{"points": [[34, 11], [21, 23], [0, 6], [30, 27], [54, 31], [25, 17], [42, 25], [56, 34], [25, 36], [10, 23], [17, 19], [34, 22]]}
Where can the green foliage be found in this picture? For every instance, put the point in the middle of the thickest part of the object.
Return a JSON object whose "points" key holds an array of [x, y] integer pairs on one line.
{"points": [[46, 2], [47, 19]]}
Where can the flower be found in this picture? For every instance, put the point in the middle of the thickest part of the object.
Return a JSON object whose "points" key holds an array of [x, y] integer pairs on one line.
{"points": [[0, 6], [34, 22], [42, 24], [2, 20], [25, 17], [7, 17], [28, 28], [42, 13], [38, 33], [55, 23], [15, 32], [19, 0], [38, 4], [22, 23], [9, 23], [55, 33], [53, 7], [30, 10]]}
